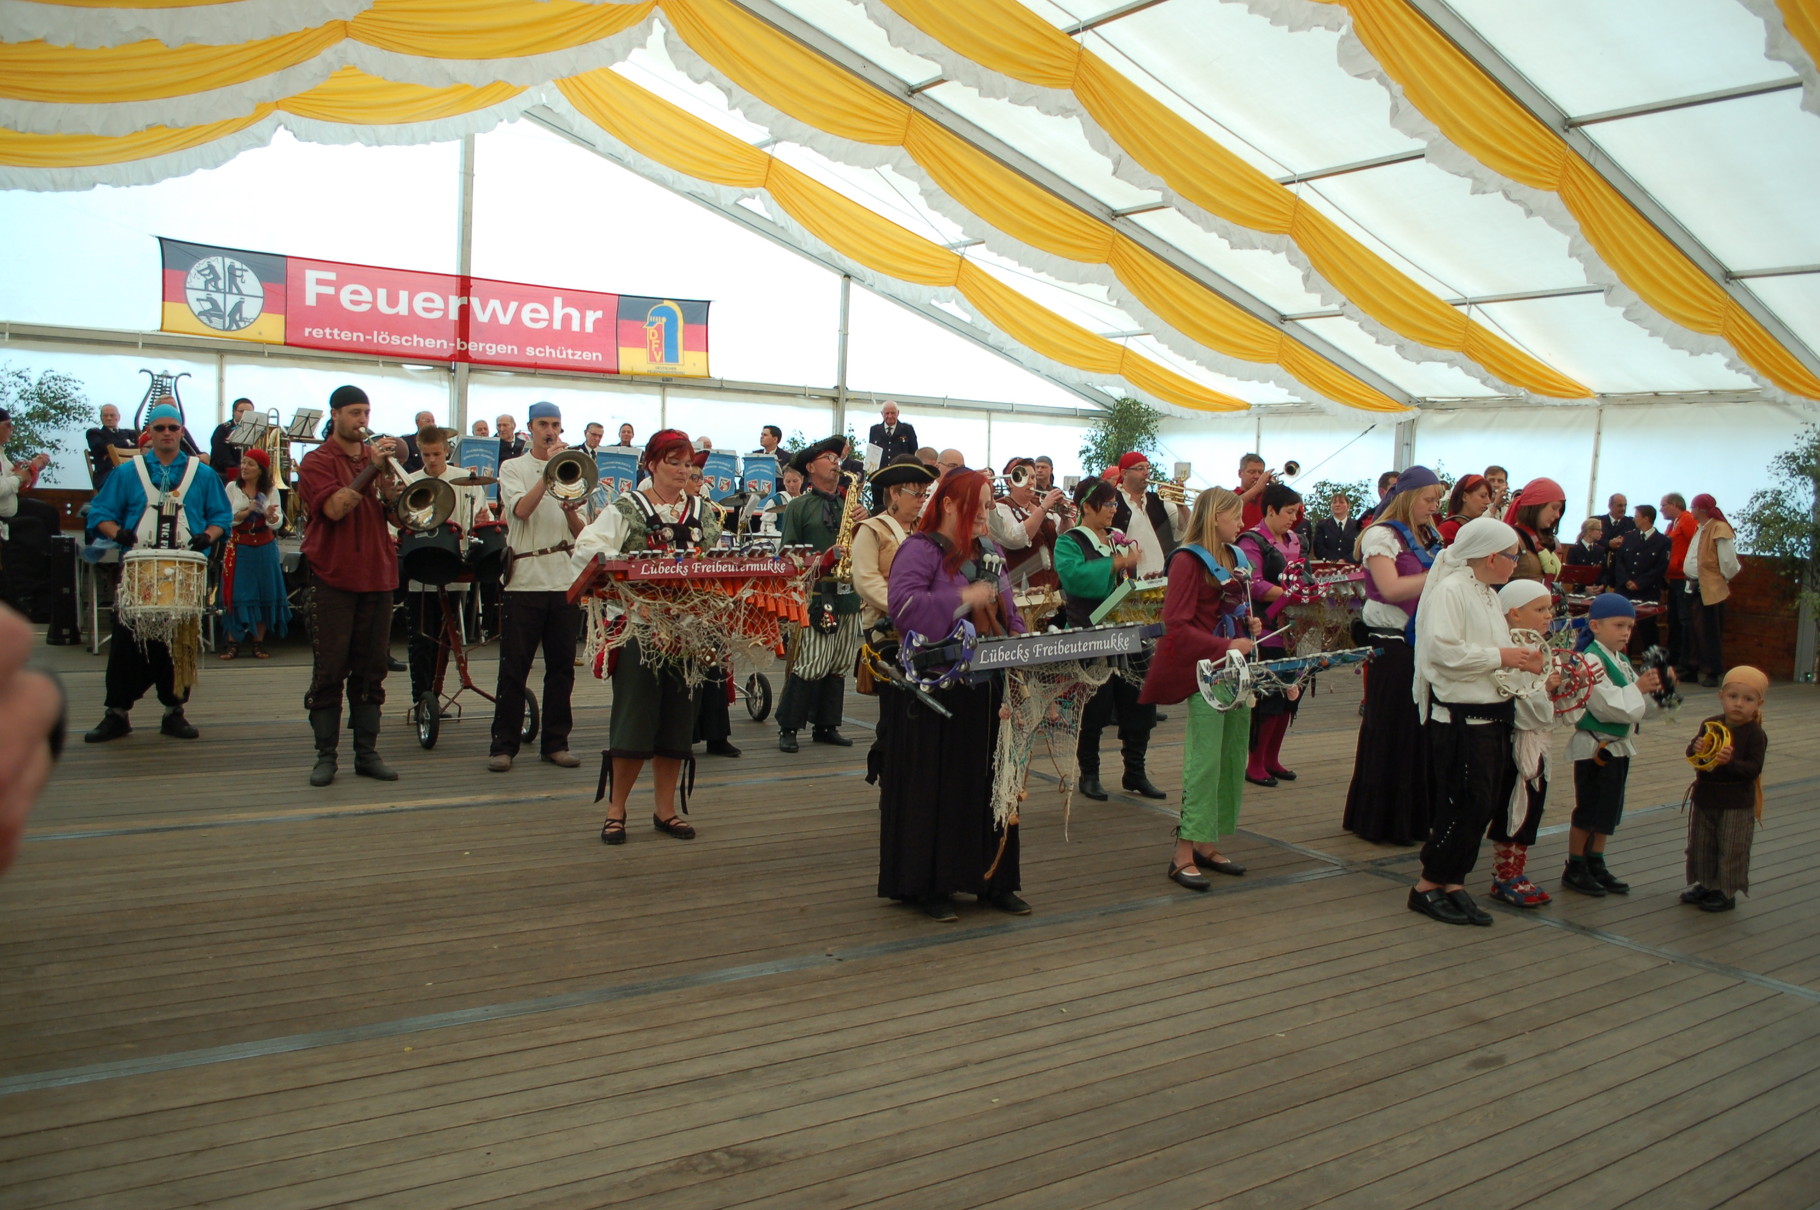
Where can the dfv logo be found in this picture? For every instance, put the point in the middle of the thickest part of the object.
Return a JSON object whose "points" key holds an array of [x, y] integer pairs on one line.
{"points": [[223, 293]]}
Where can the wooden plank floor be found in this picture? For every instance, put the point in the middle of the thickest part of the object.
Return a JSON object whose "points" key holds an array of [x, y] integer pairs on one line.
{"points": [[219, 987]]}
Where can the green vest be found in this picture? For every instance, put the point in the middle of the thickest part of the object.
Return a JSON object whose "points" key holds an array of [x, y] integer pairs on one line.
{"points": [[1618, 671]]}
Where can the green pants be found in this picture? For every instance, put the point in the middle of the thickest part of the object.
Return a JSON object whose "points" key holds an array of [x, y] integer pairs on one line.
{"points": [[1213, 770]]}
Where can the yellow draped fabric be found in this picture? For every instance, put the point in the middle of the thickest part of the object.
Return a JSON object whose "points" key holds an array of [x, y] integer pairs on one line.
{"points": [[1802, 17], [783, 73], [63, 150], [1480, 117], [664, 133], [1008, 38]]}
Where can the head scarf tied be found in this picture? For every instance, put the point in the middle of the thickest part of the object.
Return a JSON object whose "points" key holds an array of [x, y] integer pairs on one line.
{"points": [[1477, 538], [163, 411], [1536, 491], [1414, 479], [1518, 593], [1705, 501], [1751, 678]]}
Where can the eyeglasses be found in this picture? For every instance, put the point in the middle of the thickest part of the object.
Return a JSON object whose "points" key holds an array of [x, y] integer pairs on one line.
{"points": [[1513, 556], [167, 428]]}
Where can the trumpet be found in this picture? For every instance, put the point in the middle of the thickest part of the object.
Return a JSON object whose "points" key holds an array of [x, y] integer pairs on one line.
{"points": [[1291, 469], [1020, 476], [1176, 491], [423, 504], [570, 475]]}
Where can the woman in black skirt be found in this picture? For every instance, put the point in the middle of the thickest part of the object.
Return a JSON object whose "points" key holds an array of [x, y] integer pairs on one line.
{"points": [[937, 834]]}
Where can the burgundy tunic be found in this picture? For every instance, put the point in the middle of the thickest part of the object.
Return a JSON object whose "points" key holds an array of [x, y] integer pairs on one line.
{"points": [[1193, 605]]}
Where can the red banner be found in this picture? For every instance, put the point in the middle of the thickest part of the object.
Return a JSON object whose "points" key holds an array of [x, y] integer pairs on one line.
{"points": [[429, 316]]}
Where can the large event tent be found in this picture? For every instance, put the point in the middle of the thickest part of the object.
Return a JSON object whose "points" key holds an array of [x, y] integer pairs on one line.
{"points": [[1352, 233]]}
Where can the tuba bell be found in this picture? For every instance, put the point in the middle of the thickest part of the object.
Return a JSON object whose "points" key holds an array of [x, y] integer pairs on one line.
{"points": [[570, 475]]}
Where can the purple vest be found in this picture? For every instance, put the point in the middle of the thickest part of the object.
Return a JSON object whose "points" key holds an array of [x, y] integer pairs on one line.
{"points": [[1412, 561]]}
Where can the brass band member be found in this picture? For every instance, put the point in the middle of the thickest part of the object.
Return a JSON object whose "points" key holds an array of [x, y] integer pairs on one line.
{"points": [[423, 608], [540, 532], [827, 648], [1144, 518], [353, 572], [653, 708], [125, 510], [1024, 524], [253, 595]]}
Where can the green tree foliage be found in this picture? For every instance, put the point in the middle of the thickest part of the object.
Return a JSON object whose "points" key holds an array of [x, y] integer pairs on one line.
{"points": [[47, 413], [1783, 521], [1125, 425]]}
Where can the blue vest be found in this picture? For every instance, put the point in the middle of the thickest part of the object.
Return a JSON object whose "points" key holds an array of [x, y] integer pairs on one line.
{"points": [[1229, 622]]}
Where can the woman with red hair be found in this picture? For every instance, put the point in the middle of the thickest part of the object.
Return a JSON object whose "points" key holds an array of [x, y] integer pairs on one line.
{"points": [[937, 834], [253, 596], [1470, 498], [653, 715]]}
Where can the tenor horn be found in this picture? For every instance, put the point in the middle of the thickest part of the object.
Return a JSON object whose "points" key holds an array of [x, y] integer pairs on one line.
{"points": [[570, 475]]}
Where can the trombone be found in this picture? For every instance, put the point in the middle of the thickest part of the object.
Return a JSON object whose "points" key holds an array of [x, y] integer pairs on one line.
{"points": [[423, 504]]}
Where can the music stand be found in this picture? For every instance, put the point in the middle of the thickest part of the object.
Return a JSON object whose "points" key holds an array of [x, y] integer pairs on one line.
{"points": [[249, 432], [305, 425]]}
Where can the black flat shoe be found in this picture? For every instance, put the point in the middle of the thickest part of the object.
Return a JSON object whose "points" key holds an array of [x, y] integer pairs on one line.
{"points": [[829, 735], [1716, 902], [613, 832], [1008, 902], [177, 727], [1089, 786], [1218, 865], [673, 826], [940, 910], [1139, 784], [721, 747], [1695, 895], [1261, 781], [1195, 882], [1435, 905], [1282, 774], [786, 741], [1469, 907]]}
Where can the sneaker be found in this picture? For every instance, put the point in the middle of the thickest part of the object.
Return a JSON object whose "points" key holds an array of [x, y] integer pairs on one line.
{"points": [[500, 763], [177, 727]]}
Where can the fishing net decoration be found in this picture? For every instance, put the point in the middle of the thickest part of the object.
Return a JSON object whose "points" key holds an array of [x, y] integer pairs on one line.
{"points": [[1042, 703], [696, 626]]}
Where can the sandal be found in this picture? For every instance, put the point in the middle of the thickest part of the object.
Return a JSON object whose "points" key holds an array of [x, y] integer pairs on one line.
{"points": [[613, 831], [260, 653], [231, 651], [674, 826]]}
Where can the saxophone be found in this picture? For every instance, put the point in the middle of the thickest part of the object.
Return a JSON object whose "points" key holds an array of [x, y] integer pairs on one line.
{"points": [[823, 616]]}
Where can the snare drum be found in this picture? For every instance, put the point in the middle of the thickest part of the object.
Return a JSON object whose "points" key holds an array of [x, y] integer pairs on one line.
{"points": [[432, 556], [487, 549], [161, 585]]}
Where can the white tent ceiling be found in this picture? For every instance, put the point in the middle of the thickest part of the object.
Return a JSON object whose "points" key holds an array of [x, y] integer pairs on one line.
{"points": [[1702, 113]]}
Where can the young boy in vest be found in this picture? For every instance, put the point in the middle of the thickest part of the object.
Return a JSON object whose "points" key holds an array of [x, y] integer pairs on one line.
{"points": [[1601, 746]]}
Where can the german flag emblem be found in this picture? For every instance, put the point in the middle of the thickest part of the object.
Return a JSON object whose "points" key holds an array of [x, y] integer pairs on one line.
{"points": [[228, 292]]}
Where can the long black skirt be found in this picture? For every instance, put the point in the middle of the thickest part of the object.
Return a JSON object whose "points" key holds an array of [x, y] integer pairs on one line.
{"points": [[935, 833], [1388, 801]]}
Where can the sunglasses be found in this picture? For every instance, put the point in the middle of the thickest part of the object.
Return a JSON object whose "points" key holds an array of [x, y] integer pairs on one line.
{"points": [[167, 428]]}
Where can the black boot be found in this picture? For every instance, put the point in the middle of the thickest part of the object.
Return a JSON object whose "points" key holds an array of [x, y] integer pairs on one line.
{"points": [[325, 721], [1137, 780], [1578, 876], [113, 725], [1089, 785], [364, 720], [176, 726]]}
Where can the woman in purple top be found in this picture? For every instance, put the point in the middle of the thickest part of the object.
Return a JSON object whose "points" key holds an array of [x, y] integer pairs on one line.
{"points": [[936, 832], [1272, 545]]}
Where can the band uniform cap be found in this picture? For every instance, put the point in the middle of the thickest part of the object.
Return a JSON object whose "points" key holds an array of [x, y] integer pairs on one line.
{"points": [[543, 410], [809, 453], [700, 458]]}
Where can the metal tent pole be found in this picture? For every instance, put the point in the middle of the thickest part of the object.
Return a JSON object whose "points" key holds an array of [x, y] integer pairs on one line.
{"points": [[464, 265], [840, 365]]}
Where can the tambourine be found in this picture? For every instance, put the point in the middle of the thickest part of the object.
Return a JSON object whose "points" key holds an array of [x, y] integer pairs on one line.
{"points": [[1717, 736]]}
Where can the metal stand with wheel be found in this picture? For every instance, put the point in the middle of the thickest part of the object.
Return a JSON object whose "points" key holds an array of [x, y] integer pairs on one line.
{"points": [[427, 711]]}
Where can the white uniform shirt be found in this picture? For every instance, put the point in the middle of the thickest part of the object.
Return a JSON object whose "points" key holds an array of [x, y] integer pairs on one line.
{"points": [[547, 526], [468, 500]]}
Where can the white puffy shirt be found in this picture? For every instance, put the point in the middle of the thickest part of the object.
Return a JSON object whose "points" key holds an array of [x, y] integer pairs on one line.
{"points": [[1457, 644]]}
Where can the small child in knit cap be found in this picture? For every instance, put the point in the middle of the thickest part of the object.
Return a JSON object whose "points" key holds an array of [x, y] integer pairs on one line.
{"points": [[1527, 606], [1727, 793]]}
